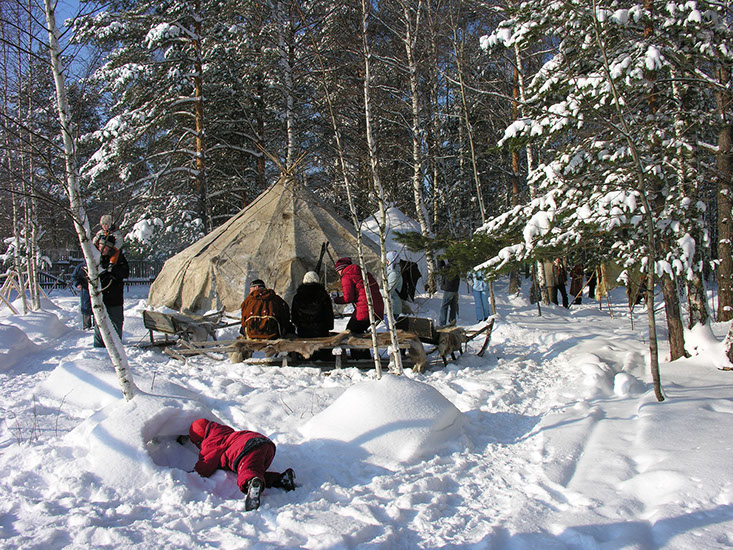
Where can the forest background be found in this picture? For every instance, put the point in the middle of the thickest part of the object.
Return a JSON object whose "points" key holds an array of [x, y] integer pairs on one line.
{"points": [[513, 133]]}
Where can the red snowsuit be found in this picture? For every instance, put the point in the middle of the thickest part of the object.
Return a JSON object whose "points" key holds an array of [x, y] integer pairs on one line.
{"points": [[246, 453], [352, 286]]}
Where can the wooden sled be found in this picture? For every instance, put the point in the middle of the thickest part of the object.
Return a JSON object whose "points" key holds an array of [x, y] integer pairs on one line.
{"points": [[187, 328], [447, 340], [298, 351]]}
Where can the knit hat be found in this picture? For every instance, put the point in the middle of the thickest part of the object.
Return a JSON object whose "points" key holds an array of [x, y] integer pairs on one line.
{"points": [[197, 431], [311, 277], [257, 282], [342, 262], [106, 219]]}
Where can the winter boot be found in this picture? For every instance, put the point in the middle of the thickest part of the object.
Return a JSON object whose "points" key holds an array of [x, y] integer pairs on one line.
{"points": [[286, 480], [254, 489]]}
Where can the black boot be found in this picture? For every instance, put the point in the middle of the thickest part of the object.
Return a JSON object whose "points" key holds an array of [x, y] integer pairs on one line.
{"points": [[286, 480], [254, 489]]}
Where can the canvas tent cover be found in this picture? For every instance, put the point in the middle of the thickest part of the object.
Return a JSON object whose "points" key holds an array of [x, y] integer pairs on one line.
{"points": [[277, 238]]}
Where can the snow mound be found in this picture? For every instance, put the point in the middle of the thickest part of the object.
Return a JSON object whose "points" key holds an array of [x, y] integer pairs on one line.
{"points": [[14, 346], [40, 326], [396, 417], [123, 440]]}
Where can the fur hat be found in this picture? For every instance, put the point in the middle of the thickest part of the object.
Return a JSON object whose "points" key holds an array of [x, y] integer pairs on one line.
{"points": [[342, 263], [197, 431], [106, 220], [311, 277], [257, 282]]}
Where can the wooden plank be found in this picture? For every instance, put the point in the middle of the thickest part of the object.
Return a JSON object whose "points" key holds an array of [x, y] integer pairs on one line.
{"points": [[486, 341]]}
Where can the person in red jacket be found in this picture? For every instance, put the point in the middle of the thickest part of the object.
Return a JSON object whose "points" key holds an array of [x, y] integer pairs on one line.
{"points": [[352, 286], [248, 454]]}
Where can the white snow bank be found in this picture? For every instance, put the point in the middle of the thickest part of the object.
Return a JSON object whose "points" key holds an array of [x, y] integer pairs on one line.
{"points": [[396, 418], [39, 326], [126, 441], [14, 346]]}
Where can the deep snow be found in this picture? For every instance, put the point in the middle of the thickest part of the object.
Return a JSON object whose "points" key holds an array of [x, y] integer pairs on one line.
{"points": [[552, 440]]}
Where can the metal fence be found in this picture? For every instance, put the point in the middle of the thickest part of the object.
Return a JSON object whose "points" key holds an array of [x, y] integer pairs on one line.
{"points": [[58, 275]]}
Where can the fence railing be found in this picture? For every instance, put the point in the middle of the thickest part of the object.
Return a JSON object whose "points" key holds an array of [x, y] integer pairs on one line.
{"points": [[58, 275]]}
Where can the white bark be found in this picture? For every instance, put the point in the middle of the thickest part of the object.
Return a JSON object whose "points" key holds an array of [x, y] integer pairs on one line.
{"points": [[371, 146], [423, 217], [111, 340]]}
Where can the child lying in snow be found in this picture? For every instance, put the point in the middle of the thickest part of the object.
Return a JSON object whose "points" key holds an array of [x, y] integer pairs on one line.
{"points": [[246, 453]]}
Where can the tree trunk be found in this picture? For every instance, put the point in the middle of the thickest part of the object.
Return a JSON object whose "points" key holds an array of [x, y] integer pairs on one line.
{"points": [[725, 201], [417, 183], [201, 184], [674, 318], [376, 181], [111, 340]]}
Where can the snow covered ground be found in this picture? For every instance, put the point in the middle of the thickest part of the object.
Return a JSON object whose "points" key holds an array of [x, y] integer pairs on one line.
{"points": [[552, 440]]}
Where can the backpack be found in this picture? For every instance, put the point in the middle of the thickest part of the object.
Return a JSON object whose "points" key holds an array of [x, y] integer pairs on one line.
{"points": [[261, 323]]}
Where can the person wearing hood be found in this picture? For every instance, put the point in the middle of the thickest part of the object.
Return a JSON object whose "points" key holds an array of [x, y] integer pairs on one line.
{"points": [[312, 309], [312, 312], [354, 292], [248, 454], [265, 316], [394, 282]]}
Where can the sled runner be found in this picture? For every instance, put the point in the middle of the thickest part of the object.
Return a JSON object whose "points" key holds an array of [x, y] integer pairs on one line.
{"points": [[447, 340]]}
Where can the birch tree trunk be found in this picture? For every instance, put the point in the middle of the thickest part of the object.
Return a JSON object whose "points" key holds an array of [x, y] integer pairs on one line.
{"points": [[465, 116], [14, 184], [109, 335], [201, 183], [374, 166], [422, 213], [539, 270], [285, 47]]}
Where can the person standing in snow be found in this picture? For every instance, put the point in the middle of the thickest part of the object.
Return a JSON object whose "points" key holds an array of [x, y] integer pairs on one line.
{"points": [[394, 282], [449, 285], [247, 454], [80, 280], [352, 286], [111, 279], [560, 276], [480, 290]]}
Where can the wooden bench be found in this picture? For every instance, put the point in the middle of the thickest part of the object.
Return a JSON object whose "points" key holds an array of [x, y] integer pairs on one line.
{"points": [[188, 328], [290, 348]]}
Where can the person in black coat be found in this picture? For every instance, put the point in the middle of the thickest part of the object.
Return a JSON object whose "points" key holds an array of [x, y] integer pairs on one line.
{"points": [[312, 311], [111, 278]]}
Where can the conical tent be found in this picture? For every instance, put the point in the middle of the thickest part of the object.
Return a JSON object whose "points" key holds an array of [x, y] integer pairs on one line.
{"points": [[277, 238]]}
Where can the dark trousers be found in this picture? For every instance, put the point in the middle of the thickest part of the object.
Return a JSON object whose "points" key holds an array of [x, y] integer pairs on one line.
{"points": [[116, 315], [358, 327], [563, 293]]}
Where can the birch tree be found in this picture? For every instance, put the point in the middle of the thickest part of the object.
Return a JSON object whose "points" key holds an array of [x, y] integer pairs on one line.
{"points": [[109, 335]]}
